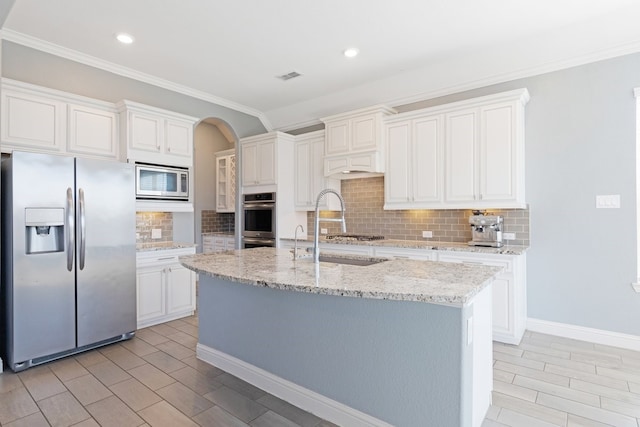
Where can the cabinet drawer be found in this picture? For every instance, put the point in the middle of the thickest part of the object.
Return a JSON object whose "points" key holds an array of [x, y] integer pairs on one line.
{"points": [[503, 261], [417, 254]]}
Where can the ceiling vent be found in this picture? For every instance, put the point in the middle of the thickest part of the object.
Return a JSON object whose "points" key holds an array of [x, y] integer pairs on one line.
{"points": [[289, 76]]}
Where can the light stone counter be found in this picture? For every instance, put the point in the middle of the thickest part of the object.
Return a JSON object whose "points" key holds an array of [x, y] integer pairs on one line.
{"points": [[397, 279], [161, 246], [424, 244]]}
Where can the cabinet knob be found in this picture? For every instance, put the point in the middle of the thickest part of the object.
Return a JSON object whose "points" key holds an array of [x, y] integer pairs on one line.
{"points": [[168, 149]]}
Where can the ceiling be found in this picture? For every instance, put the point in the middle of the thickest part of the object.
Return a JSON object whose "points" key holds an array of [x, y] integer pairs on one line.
{"points": [[409, 49]]}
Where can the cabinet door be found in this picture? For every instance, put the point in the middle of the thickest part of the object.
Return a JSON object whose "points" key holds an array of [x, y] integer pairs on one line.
{"points": [[150, 293], [460, 185], [427, 171], [502, 306], [145, 132], [337, 135], [397, 179], [497, 152], [180, 289], [249, 164], [33, 121], [267, 162], [179, 138], [363, 133], [303, 174], [92, 131], [222, 184]]}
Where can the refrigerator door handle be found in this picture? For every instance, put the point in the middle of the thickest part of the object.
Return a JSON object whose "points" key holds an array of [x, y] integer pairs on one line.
{"points": [[71, 232], [83, 229]]}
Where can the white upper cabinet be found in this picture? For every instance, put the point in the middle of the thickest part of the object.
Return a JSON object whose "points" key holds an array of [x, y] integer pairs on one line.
{"points": [[354, 141], [464, 155], [44, 120], [414, 162], [485, 156], [258, 161], [461, 153], [158, 136], [309, 179], [93, 131]]}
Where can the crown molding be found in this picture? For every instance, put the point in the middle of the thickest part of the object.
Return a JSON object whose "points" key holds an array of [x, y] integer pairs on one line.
{"points": [[548, 67], [92, 61]]}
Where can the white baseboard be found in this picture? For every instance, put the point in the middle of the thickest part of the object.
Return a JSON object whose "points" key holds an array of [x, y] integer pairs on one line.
{"points": [[598, 336], [301, 397]]}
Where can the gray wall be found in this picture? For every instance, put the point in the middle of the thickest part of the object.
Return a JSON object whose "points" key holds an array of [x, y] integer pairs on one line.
{"points": [[580, 142], [39, 68]]}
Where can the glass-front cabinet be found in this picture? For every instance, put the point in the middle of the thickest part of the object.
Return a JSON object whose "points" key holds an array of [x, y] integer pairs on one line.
{"points": [[225, 181]]}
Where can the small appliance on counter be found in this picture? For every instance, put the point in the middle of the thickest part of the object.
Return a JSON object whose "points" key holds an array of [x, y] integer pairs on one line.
{"points": [[486, 230]]}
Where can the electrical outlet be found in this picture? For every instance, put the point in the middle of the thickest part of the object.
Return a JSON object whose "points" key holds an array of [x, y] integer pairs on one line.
{"points": [[156, 233], [509, 236], [611, 201], [427, 234], [324, 231]]}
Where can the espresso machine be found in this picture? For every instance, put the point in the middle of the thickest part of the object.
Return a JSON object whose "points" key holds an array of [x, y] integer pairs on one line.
{"points": [[486, 230]]}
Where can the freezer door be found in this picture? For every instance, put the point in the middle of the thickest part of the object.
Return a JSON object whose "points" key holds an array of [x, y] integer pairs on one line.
{"points": [[106, 252], [41, 290]]}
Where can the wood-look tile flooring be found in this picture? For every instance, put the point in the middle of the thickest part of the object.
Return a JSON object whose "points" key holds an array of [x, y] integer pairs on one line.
{"points": [[553, 381], [156, 380]]}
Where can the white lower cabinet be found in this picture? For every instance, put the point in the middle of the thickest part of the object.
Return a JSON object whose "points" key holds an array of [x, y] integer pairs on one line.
{"points": [[165, 289], [509, 291]]}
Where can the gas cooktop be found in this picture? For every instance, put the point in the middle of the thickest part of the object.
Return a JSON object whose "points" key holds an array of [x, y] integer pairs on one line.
{"points": [[358, 237]]}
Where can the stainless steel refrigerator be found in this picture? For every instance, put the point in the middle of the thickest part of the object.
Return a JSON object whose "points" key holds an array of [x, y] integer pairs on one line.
{"points": [[68, 256]]}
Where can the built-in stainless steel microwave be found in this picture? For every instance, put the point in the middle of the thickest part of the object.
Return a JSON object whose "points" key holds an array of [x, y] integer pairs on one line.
{"points": [[161, 182]]}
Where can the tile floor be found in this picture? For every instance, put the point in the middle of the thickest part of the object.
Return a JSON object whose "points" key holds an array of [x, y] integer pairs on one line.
{"points": [[553, 381], [155, 380]]}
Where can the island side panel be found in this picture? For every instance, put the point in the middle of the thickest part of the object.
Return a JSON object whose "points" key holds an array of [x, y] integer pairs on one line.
{"points": [[399, 361]]}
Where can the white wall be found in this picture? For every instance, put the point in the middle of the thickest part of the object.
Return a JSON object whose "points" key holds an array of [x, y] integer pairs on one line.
{"points": [[208, 140]]}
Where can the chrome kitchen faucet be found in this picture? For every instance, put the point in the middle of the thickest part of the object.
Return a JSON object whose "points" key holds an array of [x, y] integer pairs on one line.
{"points": [[316, 249]]}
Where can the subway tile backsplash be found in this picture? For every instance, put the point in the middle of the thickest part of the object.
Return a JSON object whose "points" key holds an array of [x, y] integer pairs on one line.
{"points": [[364, 199], [213, 222], [147, 221]]}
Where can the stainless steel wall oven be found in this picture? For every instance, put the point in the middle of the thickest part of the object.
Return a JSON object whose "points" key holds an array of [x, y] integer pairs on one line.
{"points": [[259, 218]]}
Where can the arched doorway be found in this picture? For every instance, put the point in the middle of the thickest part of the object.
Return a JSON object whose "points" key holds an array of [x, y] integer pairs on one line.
{"points": [[211, 136]]}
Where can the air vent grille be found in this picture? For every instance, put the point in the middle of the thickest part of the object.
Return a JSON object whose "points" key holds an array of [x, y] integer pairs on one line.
{"points": [[289, 76]]}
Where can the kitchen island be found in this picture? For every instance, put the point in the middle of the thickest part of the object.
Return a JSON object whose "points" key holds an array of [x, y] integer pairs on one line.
{"points": [[399, 342]]}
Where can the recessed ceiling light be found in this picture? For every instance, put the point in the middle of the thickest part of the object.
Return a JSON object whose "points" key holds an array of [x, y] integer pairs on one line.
{"points": [[124, 38], [351, 52]]}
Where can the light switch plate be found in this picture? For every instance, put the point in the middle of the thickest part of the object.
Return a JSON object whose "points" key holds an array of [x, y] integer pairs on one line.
{"points": [[610, 201], [509, 236], [427, 234], [156, 233]]}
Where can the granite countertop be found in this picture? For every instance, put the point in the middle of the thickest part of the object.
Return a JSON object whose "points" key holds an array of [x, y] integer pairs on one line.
{"points": [[219, 233], [397, 279], [161, 246], [426, 245]]}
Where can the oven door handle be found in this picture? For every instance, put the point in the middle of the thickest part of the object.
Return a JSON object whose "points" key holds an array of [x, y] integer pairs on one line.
{"points": [[259, 206], [260, 241]]}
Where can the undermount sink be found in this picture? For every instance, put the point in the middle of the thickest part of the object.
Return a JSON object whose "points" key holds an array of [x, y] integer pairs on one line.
{"points": [[360, 261]]}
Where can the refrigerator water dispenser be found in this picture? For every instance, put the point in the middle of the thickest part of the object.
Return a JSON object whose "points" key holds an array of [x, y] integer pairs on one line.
{"points": [[44, 230]]}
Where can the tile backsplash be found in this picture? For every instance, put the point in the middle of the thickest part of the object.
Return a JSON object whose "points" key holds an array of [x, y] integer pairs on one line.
{"points": [[364, 199], [213, 222], [147, 221]]}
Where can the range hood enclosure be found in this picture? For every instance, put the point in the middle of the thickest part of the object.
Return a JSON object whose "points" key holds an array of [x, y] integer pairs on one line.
{"points": [[354, 143]]}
